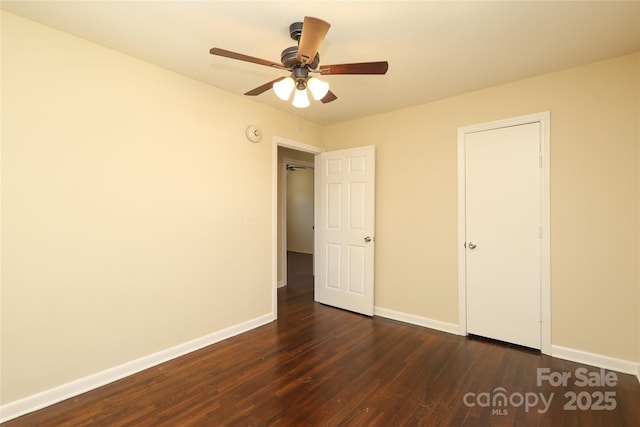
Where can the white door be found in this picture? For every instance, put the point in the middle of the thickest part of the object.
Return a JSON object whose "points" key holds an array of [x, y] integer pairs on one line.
{"points": [[503, 231], [345, 229]]}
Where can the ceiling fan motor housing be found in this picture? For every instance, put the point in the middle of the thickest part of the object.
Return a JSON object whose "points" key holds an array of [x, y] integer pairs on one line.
{"points": [[289, 58]]}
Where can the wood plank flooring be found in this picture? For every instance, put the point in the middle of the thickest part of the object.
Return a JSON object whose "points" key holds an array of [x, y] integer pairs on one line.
{"points": [[320, 366]]}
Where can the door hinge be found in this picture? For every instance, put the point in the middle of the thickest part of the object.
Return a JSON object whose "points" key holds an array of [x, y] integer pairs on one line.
{"points": [[540, 160], [540, 319], [540, 231]]}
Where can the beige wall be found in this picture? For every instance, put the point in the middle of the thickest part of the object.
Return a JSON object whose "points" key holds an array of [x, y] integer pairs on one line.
{"points": [[594, 200], [123, 207]]}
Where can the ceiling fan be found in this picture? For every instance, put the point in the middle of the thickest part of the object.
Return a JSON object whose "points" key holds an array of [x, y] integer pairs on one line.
{"points": [[301, 60]]}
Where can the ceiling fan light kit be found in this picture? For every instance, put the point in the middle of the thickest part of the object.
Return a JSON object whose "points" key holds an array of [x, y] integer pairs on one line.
{"points": [[301, 60], [284, 87], [300, 99], [318, 88]]}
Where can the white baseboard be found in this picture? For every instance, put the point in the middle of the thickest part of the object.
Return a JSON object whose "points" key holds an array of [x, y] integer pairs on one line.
{"points": [[65, 391], [281, 284], [597, 360], [417, 320], [49, 397]]}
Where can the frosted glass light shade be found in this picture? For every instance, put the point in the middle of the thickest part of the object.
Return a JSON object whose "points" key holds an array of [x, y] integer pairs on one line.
{"points": [[283, 88], [300, 99], [318, 88]]}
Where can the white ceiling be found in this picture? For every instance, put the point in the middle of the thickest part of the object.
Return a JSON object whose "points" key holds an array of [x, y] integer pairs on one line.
{"points": [[435, 49]]}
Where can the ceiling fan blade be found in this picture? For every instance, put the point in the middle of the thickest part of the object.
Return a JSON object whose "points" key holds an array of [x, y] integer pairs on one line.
{"points": [[314, 31], [265, 87], [246, 58], [379, 67], [330, 96]]}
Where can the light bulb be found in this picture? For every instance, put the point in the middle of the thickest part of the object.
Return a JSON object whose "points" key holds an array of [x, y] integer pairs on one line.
{"points": [[283, 88], [318, 88], [300, 99]]}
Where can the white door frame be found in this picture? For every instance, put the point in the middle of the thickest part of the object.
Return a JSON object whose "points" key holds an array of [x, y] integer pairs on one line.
{"points": [[283, 208], [545, 286], [295, 145]]}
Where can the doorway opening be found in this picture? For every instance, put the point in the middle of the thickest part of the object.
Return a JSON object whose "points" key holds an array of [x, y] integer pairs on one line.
{"points": [[296, 202], [293, 211]]}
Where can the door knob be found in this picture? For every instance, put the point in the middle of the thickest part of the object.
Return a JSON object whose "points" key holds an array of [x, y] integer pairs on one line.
{"points": [[472, 245], [367, 239]]}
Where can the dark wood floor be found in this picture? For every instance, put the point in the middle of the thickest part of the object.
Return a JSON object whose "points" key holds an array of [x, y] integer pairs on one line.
{"points": [[319, 366]]}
